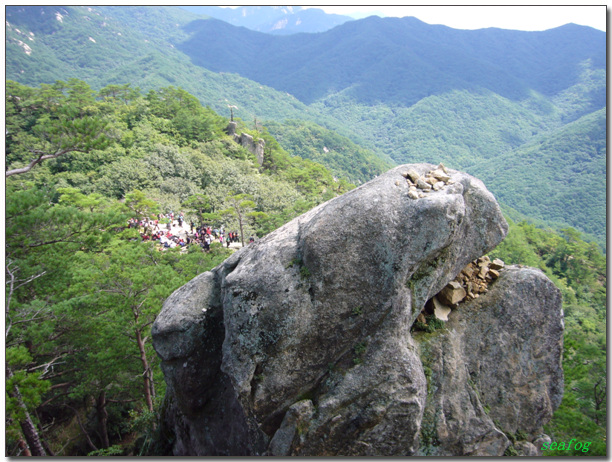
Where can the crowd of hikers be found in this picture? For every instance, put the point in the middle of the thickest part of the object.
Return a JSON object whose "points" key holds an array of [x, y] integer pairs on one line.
{"points": [[162, 230]]}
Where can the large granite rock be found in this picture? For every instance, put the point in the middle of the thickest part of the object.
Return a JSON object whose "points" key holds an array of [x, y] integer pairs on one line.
{"points": [[301, 344], [495, 370]]}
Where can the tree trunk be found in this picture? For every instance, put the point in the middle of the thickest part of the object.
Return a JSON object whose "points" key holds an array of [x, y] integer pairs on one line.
{"points": [[151, 383], [146, 373], [27, 426], [31, 436], [41, 432], [241, 230], [102, 418]]}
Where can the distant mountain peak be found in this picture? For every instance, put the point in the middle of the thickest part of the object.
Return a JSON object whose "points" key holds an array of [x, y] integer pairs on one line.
{"points": [[288, 9], [274, 19]]}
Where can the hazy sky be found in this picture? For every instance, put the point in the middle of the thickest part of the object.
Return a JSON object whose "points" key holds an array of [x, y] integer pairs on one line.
{"points": [[478, 17]]}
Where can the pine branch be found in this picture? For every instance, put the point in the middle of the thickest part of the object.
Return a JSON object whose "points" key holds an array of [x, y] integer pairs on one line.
{"points": [[41, 156]]}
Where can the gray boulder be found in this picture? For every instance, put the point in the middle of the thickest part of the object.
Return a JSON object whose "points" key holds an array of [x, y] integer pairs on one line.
{"points": [[527, 449], [495, 369], [231, 129], [256, 148], [301, 344]]}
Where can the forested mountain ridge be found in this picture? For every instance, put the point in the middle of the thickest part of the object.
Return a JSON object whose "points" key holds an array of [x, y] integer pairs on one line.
{"points": [[574, 181], [133, 45], [281, 20], [435, 58], [437, 94], [83, 287], [419, 60]]}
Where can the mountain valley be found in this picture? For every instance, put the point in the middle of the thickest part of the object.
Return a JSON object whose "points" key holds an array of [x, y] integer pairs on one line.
{"points": [[405, 90], [225, 226]]}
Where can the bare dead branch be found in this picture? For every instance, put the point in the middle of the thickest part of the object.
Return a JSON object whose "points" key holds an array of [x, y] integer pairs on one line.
{"points": [[41, 156], [12, 280], [60, 385]]}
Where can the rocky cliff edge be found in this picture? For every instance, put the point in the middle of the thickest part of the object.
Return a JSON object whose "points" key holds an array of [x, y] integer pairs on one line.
{"points": [[303, 343]]}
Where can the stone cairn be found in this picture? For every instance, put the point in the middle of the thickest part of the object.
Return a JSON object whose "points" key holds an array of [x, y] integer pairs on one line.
{"points": [[420, 185], [472, 281]]}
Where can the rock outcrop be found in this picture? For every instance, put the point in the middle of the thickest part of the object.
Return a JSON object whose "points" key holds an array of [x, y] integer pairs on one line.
{"points": [[246, 141], [495, 370], [301, 343]]}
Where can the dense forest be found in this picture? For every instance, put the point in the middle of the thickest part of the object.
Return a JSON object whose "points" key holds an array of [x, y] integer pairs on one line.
{"points": [[338, 153], [479, 101], [83, 288]]}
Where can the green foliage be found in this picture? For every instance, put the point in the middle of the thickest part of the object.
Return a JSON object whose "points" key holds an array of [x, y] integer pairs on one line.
{"points": [[483, 110], [239, 213], [578, 268], [360, 348], [82, 290], [521, 435], [131, 46], [343, 157], [304, 272], [428, 435], [28, 385], [188, 120], [432, 59], [66, 121], [114, 450], [140, 205], [434, 322], [511, 451], [168, 148], [359, 351], [534, 160], [564, 174], [199, 205], [125, 175], [431, 325]]}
